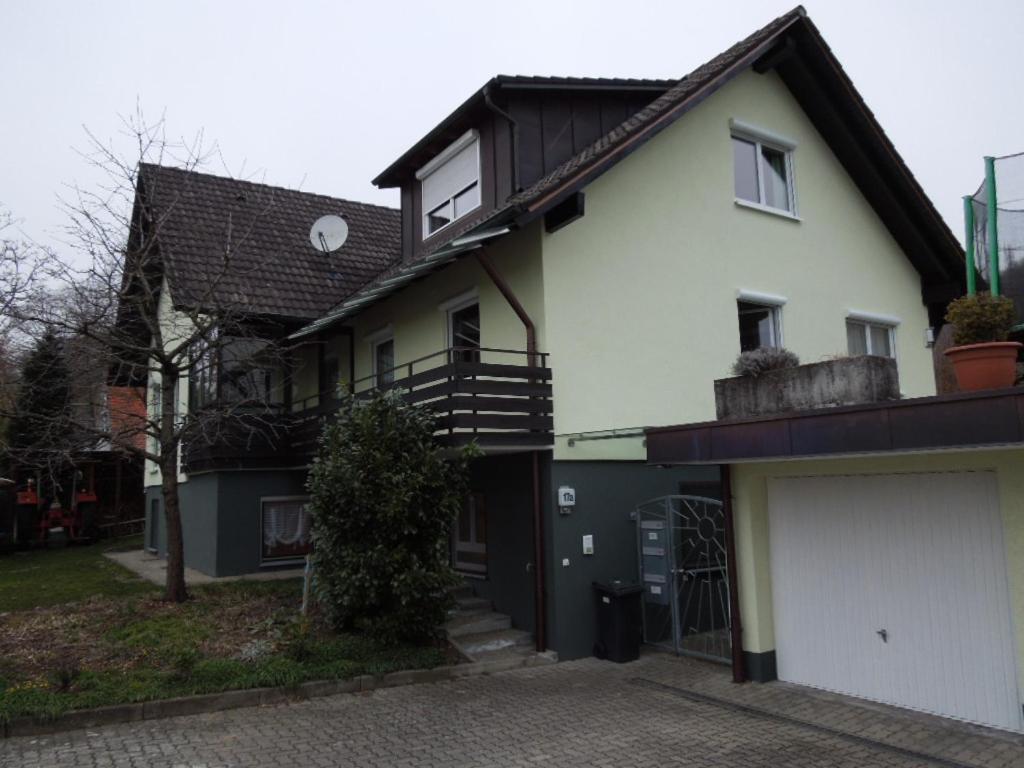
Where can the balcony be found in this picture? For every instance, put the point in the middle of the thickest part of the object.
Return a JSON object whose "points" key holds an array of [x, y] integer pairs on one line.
{"points": [[492, 397]]}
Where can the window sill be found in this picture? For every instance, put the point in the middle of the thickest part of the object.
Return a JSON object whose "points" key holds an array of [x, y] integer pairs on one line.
{"points": [[767, 209]]}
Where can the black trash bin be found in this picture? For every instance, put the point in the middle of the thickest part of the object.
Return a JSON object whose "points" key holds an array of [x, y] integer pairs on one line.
{"points": [[618, 620]]}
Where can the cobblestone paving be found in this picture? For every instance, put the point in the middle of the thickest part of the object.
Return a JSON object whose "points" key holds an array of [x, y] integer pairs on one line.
{"points": [[655, 712]]}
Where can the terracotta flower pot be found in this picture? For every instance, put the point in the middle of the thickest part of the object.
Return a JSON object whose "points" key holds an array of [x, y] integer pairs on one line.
{"points": [[991, 365]]}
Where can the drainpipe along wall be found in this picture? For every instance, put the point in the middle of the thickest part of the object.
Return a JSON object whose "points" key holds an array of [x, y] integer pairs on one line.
{"points": [[540, 604]]}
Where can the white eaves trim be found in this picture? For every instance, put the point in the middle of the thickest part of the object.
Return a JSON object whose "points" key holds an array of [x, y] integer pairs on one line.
{"points": [[461, 300], [872, 317], [448, 153], [756, 297], [749, 131]]}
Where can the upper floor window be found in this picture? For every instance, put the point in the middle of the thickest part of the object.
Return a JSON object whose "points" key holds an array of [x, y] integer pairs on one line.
{"points": [[450, 184], [763, 169], [870, 338]]}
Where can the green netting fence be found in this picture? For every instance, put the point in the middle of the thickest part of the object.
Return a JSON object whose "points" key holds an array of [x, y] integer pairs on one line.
{"points": [[1002, 192]]}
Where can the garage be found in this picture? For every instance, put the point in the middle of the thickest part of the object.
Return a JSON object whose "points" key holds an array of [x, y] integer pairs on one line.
{"points": [[893, 588]]}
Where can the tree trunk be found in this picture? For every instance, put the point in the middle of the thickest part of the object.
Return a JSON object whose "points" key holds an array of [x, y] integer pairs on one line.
{"points": [[175, 587]]}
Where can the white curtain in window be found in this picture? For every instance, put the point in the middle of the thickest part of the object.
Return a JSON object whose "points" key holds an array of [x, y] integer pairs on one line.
{"points": [[285, 523]]}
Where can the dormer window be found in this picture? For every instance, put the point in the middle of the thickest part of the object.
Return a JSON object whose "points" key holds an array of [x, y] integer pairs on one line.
{"points": [[450, 184]]}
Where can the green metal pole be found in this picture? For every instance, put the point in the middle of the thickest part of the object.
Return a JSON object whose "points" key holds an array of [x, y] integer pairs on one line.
{"points": [[972, 277], [992, 232]]}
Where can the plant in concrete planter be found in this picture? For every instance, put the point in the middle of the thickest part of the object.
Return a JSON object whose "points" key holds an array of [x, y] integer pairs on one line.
{"points": [[982, 357], [754, 362]]}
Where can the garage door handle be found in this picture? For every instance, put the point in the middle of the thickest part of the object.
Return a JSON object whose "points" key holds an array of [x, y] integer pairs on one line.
{"points": [[882, 633]]}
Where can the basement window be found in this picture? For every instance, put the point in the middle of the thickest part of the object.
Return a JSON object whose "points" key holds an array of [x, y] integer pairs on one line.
{"points": [[450, 184], [285, 528], [762, 169]]}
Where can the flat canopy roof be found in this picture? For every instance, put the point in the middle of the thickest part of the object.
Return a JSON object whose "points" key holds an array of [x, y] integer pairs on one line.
{"points": [[969, 420]]}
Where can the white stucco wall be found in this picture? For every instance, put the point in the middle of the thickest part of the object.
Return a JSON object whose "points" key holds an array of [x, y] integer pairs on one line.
{"points": [[640, 294], [175, 326]]}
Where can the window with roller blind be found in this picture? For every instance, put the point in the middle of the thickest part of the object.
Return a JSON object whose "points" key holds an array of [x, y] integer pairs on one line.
{"points": [[450, 184]]}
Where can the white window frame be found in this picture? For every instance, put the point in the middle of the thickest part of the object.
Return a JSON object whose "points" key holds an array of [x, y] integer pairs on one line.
{"points": [[769, 301], [868, 319], [760, 137], [470, 137], [275, 561], [375, 339], [452, 305]]}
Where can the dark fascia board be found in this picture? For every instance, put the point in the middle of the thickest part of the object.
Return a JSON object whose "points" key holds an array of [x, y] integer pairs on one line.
{"points": [[962, 421], [458, 120]]}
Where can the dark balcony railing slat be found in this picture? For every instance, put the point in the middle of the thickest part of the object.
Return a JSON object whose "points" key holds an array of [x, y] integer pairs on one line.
{"points": [[480, 387], [495, 421], [498, 370], [459, 402]]}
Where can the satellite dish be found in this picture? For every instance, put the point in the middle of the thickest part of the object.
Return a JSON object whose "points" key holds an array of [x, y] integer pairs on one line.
{"points": [[328, 233]]}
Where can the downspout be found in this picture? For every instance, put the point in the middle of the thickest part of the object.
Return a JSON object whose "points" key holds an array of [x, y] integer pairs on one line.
{"points": [[539, 602], [513, 128], [739, 674]]}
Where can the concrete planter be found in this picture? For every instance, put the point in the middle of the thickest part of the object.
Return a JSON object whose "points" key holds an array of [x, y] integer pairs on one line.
{"points": [[846, 381]]}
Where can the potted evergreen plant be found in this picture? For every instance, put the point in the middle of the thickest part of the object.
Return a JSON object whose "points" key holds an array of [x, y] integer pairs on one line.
{"points": [[982, 357]]}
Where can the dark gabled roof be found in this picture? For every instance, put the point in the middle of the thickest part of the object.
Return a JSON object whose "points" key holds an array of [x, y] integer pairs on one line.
{"points": [[454, 124], [794, 46], [273, 269]]}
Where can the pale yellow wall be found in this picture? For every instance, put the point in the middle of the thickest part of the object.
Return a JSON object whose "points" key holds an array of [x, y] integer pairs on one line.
{"points": [[175, 326], [750, 509], [640, 294], [420, 328]]}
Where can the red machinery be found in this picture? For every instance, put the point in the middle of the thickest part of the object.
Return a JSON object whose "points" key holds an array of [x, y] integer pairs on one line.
{"points": [[40, 521]]}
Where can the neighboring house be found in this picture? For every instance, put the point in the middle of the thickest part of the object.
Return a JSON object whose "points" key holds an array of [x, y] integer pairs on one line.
{"points": [[576, 260]]}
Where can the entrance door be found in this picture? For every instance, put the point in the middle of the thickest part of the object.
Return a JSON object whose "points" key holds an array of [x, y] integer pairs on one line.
{"points": [[470, 545], [684, 572], [893, 588]]}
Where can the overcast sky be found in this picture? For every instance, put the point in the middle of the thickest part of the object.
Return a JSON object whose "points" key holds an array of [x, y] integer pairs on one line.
{"points": [[323, 96]]}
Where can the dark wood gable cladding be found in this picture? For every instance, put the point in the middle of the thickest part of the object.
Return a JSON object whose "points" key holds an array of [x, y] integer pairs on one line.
{"points": [[554, 126], [528, 127]]}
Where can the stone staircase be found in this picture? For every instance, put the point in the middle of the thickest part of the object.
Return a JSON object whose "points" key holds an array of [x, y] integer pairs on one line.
{"points": [[481, 634]]}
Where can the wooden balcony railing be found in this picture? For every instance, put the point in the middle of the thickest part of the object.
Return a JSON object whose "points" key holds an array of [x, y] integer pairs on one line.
{"points": [[493, 396], [480, 395]]}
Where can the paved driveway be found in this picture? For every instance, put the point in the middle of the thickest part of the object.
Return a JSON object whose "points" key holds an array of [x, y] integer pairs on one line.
{"points": [[655, 712]]}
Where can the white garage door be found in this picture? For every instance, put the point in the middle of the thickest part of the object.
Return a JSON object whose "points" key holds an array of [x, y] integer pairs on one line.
{"points": [[893, 588]]}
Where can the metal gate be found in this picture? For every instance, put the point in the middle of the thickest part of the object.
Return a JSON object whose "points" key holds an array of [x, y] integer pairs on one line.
{"points": [[684, 570]]}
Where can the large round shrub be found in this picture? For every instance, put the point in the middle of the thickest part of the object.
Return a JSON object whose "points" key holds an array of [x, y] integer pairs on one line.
{"points": [[384, 499]]}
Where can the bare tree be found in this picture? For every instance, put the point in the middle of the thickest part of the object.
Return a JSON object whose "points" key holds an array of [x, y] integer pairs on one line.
{"points": [[115, 311]]}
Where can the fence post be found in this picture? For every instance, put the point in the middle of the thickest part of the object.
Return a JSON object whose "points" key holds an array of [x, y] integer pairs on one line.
{"points": [[972, 275], [992, 232]]}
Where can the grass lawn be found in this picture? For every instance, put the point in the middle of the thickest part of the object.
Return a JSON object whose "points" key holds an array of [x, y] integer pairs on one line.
{"points": [[39, 578], [78, 631]]}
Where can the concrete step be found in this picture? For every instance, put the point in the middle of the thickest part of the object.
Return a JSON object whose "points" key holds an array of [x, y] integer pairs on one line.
{"points": [[462, 591], [486, 644], [468, 605], [475, 623]]}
